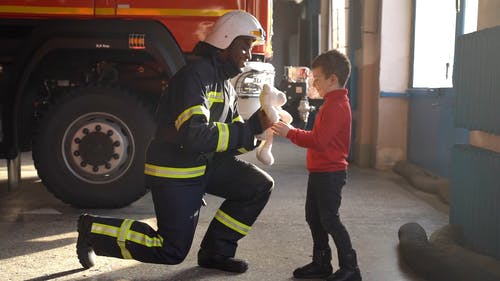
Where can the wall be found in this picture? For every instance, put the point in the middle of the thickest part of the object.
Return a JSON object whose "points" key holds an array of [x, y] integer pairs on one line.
{"points": [[488, 11], [392, 129], [366, 33], [382, 65]]}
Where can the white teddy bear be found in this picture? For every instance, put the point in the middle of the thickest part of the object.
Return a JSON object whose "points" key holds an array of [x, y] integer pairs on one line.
{"points": [[271, 100]]}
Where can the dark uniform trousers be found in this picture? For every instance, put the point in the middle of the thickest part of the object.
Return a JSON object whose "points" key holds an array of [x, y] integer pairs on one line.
{"points": [[177, 202], [324, 196]]}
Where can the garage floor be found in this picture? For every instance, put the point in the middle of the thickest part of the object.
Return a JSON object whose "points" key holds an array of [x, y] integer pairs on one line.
{"points": [[38, 232]]}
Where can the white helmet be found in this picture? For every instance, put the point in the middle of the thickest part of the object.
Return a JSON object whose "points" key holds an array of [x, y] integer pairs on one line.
{"points": [[234, 24]]}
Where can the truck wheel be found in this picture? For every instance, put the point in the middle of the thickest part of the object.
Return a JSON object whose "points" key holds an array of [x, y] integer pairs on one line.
{"points": [[90, 147]]}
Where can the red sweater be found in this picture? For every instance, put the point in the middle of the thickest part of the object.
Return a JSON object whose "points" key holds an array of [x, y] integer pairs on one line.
{"points": [[328, 142]]}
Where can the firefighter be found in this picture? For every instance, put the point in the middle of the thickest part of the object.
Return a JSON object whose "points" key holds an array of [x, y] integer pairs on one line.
{"points": [[194, 152]]}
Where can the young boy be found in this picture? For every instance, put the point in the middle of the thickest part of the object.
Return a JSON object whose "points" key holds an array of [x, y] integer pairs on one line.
{"points": [[327, 150]]}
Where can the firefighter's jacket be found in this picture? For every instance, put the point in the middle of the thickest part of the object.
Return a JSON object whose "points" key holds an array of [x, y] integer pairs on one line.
{"points": [[196, 118]]}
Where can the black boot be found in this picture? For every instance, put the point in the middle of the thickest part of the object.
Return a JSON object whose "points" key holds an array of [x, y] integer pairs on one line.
{"points": [[349, 270], [320, 267], [84, 250], [209, 260]]}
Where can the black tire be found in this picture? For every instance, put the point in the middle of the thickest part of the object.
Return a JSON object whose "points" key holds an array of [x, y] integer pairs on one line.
{"points": [[90, 147]]}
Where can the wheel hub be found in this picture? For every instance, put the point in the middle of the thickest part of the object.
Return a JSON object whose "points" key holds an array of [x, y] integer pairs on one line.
{"points": [[97, 148]]}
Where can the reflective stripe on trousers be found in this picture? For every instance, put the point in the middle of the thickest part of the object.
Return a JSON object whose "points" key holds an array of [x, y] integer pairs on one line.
{"points": [[124, 234], [172, 172]]}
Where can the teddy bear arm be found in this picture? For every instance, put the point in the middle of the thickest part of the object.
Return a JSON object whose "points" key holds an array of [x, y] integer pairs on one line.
{"points": [[264, 153], [285, 116]]}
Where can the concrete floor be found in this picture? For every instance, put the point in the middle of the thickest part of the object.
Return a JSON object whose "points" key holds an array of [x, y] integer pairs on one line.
{"points": [[38, 232]]}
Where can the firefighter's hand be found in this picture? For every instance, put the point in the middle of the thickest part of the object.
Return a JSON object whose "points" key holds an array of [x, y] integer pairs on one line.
{"points": [[281, 128], [265, 122]]}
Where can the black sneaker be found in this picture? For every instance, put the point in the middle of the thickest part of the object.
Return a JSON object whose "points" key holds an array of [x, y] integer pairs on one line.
{"points": [[84, 250], [346, 274], [313, 270], [220, 262]]}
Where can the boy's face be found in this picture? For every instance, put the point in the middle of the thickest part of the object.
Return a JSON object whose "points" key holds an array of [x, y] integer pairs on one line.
{"points": [[322, 83]]}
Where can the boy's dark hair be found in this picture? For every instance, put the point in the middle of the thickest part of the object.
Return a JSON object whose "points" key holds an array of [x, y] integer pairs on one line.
{"points": [[334, 62]]}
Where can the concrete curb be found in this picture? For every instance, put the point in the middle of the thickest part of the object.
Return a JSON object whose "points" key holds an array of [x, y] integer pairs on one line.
{"points": [[443, 257]]}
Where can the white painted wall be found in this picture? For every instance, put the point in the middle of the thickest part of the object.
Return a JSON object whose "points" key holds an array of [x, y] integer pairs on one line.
{"points": [[395, 45], [392, 126]]}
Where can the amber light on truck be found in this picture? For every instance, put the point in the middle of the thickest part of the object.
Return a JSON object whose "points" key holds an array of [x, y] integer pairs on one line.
{"points": [[136, 41]]}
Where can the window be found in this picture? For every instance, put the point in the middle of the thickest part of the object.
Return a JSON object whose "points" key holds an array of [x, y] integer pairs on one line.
{"points": [[470, 16], [434, 41], [338, 25]]}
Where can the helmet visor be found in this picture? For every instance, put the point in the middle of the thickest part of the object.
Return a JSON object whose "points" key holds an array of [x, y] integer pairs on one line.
{"points": [[259, 35]]}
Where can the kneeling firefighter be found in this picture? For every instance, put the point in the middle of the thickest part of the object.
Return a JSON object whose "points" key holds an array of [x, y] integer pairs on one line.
{"points": [[194, 152]]}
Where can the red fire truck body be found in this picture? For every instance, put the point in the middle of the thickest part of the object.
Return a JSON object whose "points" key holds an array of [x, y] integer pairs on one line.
{"points": [[79, 81], [187, 20]]}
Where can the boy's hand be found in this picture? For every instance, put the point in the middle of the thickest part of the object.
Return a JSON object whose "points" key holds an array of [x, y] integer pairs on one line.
{"points": [[281, 128]]}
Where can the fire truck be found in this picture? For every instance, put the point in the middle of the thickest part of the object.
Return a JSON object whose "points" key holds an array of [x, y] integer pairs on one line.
{"points": [[79, 81]]}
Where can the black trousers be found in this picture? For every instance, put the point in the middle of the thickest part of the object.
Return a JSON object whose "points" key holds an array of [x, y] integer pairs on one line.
{"points": [[177, 202], [324, 196]]}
